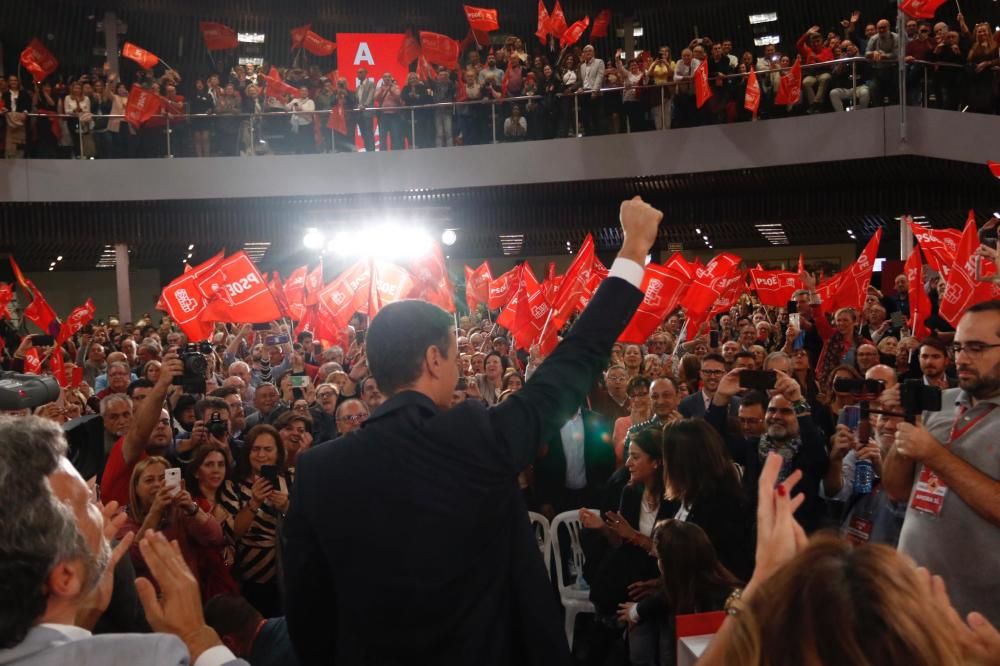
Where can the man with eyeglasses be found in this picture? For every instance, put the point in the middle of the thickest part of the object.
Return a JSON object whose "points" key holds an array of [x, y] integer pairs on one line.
{"points": [[788, 430], [151, 434], [351, 414], [918, 47], [612, 400], [948, 470], [324, 413], [713, 367]]}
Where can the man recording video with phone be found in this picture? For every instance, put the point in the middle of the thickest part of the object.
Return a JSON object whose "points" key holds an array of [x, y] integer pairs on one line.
{"points": [[790, 432], [946, 467]]}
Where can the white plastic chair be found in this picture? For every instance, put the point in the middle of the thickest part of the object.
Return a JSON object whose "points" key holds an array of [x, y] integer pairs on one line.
{"points": [[574, 595], [544, 536]]}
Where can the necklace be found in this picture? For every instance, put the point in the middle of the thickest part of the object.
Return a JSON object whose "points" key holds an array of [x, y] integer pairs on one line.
{"points": [[650, 506]]}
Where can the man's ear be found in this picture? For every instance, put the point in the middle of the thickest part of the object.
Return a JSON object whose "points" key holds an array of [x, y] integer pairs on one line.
{"points": [[434, 359], [66, 579]]}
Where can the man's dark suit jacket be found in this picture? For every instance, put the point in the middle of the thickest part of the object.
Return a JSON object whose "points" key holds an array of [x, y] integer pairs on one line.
{"points": [[693, 406], [409, 542], [598, 457]]}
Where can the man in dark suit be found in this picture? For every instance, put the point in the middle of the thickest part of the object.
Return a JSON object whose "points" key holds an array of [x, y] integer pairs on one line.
{"points": [[426, 556], [713, 366], [576, 465]]}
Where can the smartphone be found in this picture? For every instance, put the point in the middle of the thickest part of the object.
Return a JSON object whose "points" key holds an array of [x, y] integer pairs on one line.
{"points": [[761, 380], [850, 416], [898, 319], [795, 321], [713, 339], [272, 340], [270, 474], [261, 327], [988, 236], [42, 340], [172, 480], [300, 381]]}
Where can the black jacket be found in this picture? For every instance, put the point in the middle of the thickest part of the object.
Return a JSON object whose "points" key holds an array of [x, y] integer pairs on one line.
{"points": [[811, 458], [598, 455], [409, 541]]}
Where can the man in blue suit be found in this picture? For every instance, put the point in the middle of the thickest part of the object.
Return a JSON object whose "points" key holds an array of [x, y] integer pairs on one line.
{"points": [[409, 542]]}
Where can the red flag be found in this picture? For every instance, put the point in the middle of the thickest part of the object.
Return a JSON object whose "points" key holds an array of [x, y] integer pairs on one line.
{"points": [[33, 361], [663, 288], [6, 296], [317, 45], [182, 300], [504, 288], [144, 58], [543, 22], [962, 277], [601, 24], [570, 288], [275, 86], [57, 366], [477, 285], [920, 9], [295, 291], [557, 21], [751, 101], [482, 19], [431, 280], [409, 49], [389, 283], [142, 105], [236, 292], [338, 118], [939, 245], [439, 49], [802, 265], [573, 33], [920, 302], [346, 294], [77, 319], [525, 316], [854, 285], [38, 60], [774, 288], [678, 264], [218, 37], [40, 313], [278, 291], [313, 285], [708, 285], [299, 34], [994, 168], [702, 90], [730, 289], [790, 88], [18, 275]]}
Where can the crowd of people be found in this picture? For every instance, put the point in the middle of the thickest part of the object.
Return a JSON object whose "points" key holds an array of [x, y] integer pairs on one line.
{"points": [[541, 94], [671, 465]]}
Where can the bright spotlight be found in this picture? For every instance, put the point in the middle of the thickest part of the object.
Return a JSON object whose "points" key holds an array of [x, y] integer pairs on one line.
{"points": [[448, 237], [313, 240], [384, 241]]}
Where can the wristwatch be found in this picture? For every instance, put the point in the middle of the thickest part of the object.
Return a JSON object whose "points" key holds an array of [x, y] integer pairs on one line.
{"points": [[801, 407], [193, 510]]}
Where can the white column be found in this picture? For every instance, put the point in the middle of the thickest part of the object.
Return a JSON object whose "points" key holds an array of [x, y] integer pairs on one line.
{"points": [[121, 280], [905, 239]]}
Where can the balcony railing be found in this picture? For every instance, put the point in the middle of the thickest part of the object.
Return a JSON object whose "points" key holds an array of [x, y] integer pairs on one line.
{"points": [[257, 133]]}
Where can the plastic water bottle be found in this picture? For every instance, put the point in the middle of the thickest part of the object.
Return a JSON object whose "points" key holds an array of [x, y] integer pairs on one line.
{"points": [[864, 474]]}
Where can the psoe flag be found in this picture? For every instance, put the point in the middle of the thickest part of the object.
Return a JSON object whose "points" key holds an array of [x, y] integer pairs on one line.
{"points": [[375, 52]]}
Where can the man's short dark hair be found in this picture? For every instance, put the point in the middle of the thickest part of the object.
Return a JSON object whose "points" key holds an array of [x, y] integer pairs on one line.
{"points": [[224, 392], [232, 615], [142, 382], [744, 354], [751, 398], [301, 337], [719, 358], [985, 306], [398, 339], [209, 404], [934, 343]]}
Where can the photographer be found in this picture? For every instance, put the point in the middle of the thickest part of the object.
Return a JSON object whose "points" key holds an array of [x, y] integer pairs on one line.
{"points": [[946, 466], [791, 433], [212, 426]]}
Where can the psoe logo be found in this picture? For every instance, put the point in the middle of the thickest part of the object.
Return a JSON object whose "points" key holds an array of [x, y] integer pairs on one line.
{"points": [[185, 301], [653, 290]]}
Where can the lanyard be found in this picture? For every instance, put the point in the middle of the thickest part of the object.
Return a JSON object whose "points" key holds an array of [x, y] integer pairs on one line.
{"points": [[957, 432]]}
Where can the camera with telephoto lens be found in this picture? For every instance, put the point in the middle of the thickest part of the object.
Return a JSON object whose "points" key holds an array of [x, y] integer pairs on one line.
{"points": [[216, 426], [195, 367]]}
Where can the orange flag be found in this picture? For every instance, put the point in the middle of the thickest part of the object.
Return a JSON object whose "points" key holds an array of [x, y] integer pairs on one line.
{"points": [[702, 90], [38, 60], [790, 89], [751, 101]]}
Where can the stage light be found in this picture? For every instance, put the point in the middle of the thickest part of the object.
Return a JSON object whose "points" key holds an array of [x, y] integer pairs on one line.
{"points": [[313, 240], [59, 258], [190, 247], [448, 237], [389, 240]]}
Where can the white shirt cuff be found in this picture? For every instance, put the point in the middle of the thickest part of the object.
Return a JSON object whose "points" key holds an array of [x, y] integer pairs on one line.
{"points": [[633, 613], [627, 270], [215, 656]]}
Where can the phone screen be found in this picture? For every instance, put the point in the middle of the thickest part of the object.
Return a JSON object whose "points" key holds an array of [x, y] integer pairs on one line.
{"points": [[172, 480], [300, 381], [795, 320], [270, 474]]}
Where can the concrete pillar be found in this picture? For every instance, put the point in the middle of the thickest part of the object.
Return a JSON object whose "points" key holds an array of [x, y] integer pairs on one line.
{"points": [[121, 280], [111, 42]]}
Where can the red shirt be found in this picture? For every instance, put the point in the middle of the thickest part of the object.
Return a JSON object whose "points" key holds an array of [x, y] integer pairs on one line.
{"points": [[117, 475]]}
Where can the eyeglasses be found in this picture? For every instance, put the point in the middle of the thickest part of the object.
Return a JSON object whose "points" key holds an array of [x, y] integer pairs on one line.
{"points": [[972, 349], [713, 373], [325, 394], [750, 421], [353, 418]]}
